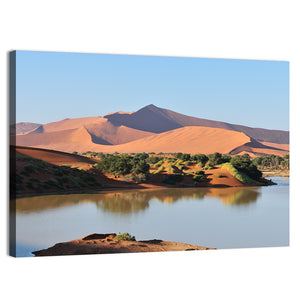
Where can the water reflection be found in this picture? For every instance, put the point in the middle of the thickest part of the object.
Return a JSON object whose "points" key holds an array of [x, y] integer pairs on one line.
{"points": [[128, 202]]}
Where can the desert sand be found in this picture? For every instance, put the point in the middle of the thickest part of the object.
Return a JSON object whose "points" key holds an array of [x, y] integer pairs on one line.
{"points": [[106, 243]]}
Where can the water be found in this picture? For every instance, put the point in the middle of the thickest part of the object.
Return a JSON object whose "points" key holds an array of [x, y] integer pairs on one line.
{"points": [[212, 217]]}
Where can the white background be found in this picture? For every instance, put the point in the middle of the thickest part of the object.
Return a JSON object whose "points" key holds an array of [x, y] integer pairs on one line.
{"points": [[224, 29]]}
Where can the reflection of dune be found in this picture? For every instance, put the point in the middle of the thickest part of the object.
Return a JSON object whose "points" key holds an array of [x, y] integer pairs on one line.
{"points": [[234, 196], [128, 202], [124, 203]]}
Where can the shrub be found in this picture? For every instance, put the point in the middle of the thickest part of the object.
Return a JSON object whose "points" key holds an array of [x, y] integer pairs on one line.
{"points": [[30, 168], [200, 158], [173, 178], [182, 156], [140, 167], [58, 172], [215, 158], [63, 179], [18, 178], [152, 160], [243, 163], [158, 164], [199, 178], [208, 166], [138, 178], [172, 168], [242, 177], [23, 158], [124, 164], [159, 170], [124, 237], [199, 172], [29, 185], [51, 182], [89, 178]]}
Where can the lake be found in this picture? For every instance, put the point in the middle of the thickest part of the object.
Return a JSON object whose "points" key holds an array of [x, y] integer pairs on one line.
{"points": [[222, 218]]}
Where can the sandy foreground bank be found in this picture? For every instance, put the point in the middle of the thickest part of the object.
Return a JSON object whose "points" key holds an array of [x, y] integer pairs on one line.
{"points": [[107, 243]]}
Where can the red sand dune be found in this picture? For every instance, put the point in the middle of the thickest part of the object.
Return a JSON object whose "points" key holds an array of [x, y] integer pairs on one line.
{"points": [[66, 124], [87, 131], [193, 139], [48, 138]]}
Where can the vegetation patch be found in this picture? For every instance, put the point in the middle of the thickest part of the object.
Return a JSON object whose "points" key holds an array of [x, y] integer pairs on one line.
{"points": [[125, 164], [242, 177], [173, 178], [272, 162], [199, 172], [124, 237], [199, 178], [159, 170]]}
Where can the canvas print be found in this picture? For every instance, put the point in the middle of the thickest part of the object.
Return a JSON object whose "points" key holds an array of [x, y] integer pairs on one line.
{"points": [[132, 153]]}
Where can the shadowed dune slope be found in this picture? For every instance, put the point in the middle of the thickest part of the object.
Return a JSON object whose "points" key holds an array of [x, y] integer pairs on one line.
{"points": [[157, 120], [113, 135], [257, 148], [278, 146]]}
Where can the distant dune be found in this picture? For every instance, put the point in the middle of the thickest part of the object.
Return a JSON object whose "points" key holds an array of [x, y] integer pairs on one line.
{"points": [[157, 120], [23, 127], [151, 129], [48, 138], [88, 137], [66, 124]]}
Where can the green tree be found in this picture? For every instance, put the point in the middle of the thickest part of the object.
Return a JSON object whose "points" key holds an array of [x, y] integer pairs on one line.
{"points": [[215, 158], [244, 164]]}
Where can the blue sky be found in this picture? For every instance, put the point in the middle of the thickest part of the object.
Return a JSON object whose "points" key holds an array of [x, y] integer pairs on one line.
{"points": [[52, 86]]}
